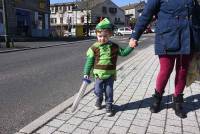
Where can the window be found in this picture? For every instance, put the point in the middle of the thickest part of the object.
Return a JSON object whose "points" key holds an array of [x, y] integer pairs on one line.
{"points": [[53, 20], [104, 10], [56, 9], [118, 20], [61, 20], [64, 8], [82, 19], [53, 10], [69, 8], [60, 8], [115, 19], [113, 10]]}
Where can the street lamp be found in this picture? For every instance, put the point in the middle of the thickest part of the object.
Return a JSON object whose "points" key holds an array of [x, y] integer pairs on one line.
{"points": [[5, 24]]}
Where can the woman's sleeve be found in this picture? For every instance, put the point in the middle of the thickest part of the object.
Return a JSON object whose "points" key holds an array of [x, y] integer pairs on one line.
{"points": [[89, 62], [150, 9]]}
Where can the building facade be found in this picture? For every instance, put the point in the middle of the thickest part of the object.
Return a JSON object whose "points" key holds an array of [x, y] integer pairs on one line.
{"points": [[108, 9], [27, 18], [133, 11], [86, 13]]}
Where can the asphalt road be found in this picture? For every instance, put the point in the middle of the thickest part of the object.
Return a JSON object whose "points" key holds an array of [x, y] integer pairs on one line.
{"points": [[34, 81]]}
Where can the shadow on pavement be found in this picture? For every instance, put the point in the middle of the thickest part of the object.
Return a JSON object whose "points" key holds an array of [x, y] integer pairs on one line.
{"points": [[191, 103]]}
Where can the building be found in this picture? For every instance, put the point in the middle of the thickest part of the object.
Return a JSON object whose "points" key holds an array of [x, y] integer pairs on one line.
{"points": [[85, 13], [27, 18], [110, 10], [62, 18], [133, 11]]}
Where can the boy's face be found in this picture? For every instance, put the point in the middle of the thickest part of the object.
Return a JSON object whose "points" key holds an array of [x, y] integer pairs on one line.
{"points": [[103, 36]]}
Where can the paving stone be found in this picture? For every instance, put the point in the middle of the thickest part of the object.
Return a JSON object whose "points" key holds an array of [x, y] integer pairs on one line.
{"points": [[94, 118], [67, 128], [118, 130], [64, 116], [155, 129], [140, 122], [106, 123], [84, 101], [173, 117], [98, 112], [81, 131], [123, 123], [126, 116], [158, 116], [130, 111], [143, 116], [158, 123], [137, 129], [173, 129], [87, 109], [144, 110], [46, 130], [112, 118], [55, 123], [100, 130], [75, 121], [59, 132], [173, 122], [82, 115], [88, 125], [193, 130], [91, 104], [187, 122]]}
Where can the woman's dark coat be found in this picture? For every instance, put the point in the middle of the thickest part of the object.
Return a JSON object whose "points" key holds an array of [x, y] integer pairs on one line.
{"points": [[177, 25]]}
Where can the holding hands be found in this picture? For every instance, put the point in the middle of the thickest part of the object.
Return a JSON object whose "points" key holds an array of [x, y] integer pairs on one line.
{"points": [[133, 43]]}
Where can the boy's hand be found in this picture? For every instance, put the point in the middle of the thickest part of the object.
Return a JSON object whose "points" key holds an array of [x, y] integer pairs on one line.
{"points": [[133, 43]]}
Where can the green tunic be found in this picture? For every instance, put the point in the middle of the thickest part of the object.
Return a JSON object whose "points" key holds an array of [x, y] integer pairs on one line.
{"points": [[102, 58]]}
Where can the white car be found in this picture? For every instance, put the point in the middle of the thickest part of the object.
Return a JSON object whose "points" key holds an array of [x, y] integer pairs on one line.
{"points": [[124, 31], [67, 34], [92, 33]]}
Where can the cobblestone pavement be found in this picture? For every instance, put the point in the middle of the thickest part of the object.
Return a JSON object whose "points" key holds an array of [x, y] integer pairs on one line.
{"points": [[132, 98]]}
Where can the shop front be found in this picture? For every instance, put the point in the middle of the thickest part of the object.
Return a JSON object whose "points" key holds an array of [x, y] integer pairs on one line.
{"points": [[23, 22]]}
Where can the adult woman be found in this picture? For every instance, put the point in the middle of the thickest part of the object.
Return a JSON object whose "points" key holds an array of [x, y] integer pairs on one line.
{"points": [[177, 36]]}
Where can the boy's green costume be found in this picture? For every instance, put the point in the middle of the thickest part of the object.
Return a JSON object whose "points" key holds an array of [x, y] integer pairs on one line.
{"points": [[103, 57]]}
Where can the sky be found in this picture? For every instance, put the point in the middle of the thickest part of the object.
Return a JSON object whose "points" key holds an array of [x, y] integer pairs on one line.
{"points": [[117, 2]]}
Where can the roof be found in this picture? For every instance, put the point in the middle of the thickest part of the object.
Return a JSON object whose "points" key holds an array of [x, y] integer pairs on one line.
{"points": [[62, 4], [133, 6], [89, 4]]}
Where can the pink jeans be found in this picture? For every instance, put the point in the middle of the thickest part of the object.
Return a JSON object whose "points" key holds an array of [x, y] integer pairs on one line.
{"points": [[166, 67]]}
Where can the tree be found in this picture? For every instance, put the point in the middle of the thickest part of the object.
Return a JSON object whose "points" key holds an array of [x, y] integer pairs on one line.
{"points": [[132, 22]]}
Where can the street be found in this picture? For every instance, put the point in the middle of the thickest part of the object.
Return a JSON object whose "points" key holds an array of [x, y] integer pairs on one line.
{"points": [[34, 81]]}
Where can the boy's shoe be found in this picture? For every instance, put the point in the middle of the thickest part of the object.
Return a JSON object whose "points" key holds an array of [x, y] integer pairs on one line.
{"points": [[109, 110], [98, 104]]}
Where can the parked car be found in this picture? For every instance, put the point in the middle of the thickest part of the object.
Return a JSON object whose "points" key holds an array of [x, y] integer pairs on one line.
{"points": [[92, 33], [153, 29], [148, 30], [67, 34], [124, 31]]}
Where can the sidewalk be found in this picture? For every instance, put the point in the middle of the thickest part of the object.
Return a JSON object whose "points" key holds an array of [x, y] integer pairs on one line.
{"points": [[133, 96]]}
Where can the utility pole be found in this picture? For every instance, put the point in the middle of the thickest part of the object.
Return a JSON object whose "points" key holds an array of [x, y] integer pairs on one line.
{"points": [[7, 41]]}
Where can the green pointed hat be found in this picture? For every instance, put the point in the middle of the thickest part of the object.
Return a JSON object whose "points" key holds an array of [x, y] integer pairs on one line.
{"points": [[104, 24]]}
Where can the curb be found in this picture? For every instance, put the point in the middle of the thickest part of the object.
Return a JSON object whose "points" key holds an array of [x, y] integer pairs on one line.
{"points": [[42, 120], [30, 48]]}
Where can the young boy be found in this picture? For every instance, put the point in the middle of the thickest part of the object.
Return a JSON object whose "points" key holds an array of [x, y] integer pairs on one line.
{"points": [[102, 58]]}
